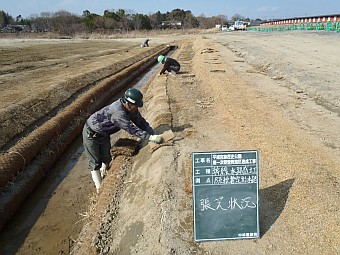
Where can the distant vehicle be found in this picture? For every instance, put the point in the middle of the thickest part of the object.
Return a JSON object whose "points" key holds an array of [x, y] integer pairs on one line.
{"points": [[224, 28], [239, 25]]}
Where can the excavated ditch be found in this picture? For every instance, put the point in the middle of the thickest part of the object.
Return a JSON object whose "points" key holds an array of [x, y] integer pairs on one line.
{"points": [[23, 165]]}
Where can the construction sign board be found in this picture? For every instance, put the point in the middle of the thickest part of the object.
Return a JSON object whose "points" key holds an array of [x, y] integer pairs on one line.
{"points": [[225, 195]]}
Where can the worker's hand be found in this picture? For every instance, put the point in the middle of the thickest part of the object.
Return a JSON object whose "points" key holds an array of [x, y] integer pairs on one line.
{"points": [[156, 139]]}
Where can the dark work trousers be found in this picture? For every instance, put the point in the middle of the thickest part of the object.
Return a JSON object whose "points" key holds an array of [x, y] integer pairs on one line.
{"points": [[173, 68], [97, 148]]}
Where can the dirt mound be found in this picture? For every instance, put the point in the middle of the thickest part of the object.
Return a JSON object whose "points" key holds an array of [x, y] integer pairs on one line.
{"points": [[214, 107]]}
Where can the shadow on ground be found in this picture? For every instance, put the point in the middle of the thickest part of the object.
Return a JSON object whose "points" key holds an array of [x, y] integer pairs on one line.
{"points": [[272, 202]]}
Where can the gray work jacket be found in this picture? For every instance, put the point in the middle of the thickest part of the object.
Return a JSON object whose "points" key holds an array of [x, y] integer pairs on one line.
{"points": [[115, 117]]}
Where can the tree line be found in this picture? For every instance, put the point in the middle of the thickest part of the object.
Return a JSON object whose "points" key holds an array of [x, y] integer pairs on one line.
{"points": [[112, 21]]}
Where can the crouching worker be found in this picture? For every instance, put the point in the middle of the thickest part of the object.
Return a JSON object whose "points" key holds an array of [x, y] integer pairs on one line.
{"points": [[170, 65], [146, 43], [121, 114]]}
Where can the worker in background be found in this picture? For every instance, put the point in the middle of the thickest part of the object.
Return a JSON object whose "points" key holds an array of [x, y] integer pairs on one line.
{"points": [[146, 43], [170, 65], [121, 114]]}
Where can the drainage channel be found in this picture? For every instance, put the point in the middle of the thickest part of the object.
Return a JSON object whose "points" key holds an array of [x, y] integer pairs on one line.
{"points": [[50, 218]]}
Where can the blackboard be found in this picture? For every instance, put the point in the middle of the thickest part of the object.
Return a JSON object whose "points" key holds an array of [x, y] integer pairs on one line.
{"points": [[225, 195]]}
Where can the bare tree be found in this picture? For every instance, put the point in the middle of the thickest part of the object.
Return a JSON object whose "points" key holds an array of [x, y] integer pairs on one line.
{"points": [[223, 18], [65, 23], [210, 22], [237, 17]]}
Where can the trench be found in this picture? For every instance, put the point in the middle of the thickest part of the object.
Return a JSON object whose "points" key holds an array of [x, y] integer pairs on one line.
{"points": [[22, 204]]}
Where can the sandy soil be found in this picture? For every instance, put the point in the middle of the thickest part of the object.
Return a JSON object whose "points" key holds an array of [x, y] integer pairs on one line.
{"points": [[277, 93]]}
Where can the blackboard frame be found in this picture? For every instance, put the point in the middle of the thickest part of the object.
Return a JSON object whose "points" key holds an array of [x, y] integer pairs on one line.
{"points": [[225, 195]]}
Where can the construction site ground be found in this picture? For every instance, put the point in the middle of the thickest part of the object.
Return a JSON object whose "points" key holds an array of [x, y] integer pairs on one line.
{"points": [[277, 93]]}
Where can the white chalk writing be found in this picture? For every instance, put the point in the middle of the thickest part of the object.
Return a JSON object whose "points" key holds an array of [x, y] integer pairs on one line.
{"points": [[231, 204]]}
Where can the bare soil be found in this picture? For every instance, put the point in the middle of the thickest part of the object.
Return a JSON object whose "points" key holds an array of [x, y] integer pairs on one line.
{"points": [[277, 93]]}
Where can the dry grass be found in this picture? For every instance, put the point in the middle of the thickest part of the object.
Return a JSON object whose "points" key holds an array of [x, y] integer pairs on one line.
{"points": [[113, 35]]}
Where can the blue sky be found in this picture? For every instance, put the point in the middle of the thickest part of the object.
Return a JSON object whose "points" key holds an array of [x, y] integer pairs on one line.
{"points": [[263, 9]]}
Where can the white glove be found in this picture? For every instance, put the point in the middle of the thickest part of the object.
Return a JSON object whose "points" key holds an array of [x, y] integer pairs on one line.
{"points": [[156, 139]]}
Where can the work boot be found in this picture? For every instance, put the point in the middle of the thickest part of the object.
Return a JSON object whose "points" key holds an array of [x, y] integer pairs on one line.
{"points": [[97, 179], [103, 169]]}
